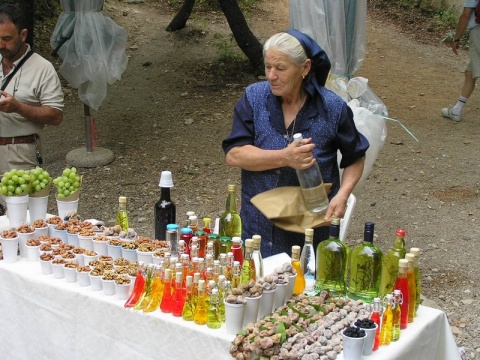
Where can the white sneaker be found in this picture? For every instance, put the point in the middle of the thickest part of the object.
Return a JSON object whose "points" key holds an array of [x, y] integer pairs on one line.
{"points": [[447, 112]]}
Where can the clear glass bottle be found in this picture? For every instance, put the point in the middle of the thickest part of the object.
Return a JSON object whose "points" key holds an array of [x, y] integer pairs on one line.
{"points": [[165, 209], [416, 252], [202, 242], [200, 316], [397, 314], [214, 239], [299, 285], [332, 263], [307, 262], [122, 216], [236, 274], [222, 293], [411, 286], [206, 225], [387, 321], [236, 247], [390, 263], [230, 221], [213, 314], [257, 256], [248, 267], [365, 265], [188, 307], [172, 237], [311, 183]]}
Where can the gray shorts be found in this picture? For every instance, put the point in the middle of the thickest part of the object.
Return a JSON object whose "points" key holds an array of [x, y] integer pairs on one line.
{"points": [[474, 52]]}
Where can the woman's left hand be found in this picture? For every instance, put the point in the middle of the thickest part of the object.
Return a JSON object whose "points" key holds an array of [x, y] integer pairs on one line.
{"points": [[336, 207]]}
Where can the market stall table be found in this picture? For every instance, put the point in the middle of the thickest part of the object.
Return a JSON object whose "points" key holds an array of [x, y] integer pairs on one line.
{"points": [[47, 318]]}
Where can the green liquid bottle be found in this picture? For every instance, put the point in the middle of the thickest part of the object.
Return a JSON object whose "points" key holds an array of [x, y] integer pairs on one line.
{"points": [[332, 262], [230, 221], [390, 264], [188, 308], [122, 217], [365, 266], [213, 316], [248, 267], [416, 253]]}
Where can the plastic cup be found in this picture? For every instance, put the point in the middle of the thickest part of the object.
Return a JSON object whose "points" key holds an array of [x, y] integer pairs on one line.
{"points": [[290, 286], [46, 266], [251, 310], [369, 340], [100, 247], [115, 251], [157, 260], [122, 291], [58, 270], [266, 303], [279, 299], [62, 234], [88, 258], [22, 242], [40, 231], [37, 207], [234, 314], [51, 231], [83, 278], [66, 207], [10, 249], [32, 253], [70, 274], [17, 207], [72, 239], [145, 256], [85, 242], [352, 347], [95, 282], [129, 254], [108, 287]]}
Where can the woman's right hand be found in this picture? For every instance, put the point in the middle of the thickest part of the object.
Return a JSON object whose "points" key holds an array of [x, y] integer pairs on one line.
{"points": [[300, 156]]}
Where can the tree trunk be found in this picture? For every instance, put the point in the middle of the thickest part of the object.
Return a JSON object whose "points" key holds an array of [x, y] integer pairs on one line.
{"points": [[28, 8], [245, 39], [180, 20]]}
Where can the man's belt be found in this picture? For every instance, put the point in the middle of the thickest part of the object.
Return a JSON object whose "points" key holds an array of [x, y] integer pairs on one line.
{"points": [[18, 140]]}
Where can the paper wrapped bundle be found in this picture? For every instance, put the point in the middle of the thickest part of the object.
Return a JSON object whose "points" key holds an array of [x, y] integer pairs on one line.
{"points": [[284, 206]]}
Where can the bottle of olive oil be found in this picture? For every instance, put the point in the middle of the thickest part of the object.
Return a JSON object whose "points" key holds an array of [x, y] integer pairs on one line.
{"points": [[248, 266], [390, 263], [122, 216], [332, 261], [230, 221]]}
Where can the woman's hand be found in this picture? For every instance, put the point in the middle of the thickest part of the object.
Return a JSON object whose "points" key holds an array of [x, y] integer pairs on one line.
{"points": [[336, 207], [300, 156]]}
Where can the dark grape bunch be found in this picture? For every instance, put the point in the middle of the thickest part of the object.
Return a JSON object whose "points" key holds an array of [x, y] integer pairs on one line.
{"points": [[365, 323], [353, 332]]}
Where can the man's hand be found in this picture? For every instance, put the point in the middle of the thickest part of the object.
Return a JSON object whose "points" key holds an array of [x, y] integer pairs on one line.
{"points": [[7, 103]]}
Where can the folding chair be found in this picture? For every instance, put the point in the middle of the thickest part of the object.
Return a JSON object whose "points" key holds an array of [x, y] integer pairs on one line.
{"points": [[345, 222]]}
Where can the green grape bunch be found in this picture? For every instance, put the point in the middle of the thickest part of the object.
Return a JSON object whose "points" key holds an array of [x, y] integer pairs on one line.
{"points": [[68, 183], [39, 179], [15, 182]]}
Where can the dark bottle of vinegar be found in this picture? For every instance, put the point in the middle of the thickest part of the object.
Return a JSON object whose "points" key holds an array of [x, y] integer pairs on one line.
{"points": [[165, 210]]}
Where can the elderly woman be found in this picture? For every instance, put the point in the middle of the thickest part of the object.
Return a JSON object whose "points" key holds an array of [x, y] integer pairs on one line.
{"points": [[293, 100]]}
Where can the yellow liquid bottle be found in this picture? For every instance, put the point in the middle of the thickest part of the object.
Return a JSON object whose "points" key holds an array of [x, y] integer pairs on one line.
{"points": [[248, 267], [300, 283], [156, 296], [418, 290], [412, 286], [387, 322], [145, 298], [122, 217], [397, 314], [200, 317]]}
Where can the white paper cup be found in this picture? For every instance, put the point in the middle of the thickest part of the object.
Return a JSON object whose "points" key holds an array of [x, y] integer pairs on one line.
{"points": [[58, 271], [352, 347], [22, 242], [251, 310], [51, 232], [369, 340], [157, 260], [88, 258], [37, 207], [290, 286], [266, 303], [17, 207], [83, 278], [122, 291], [65, 207], [129, 254], [41, 231], [85, 242], [72, 239], [70, 274], [95, 282], [32, 253], [62, 234], [145, 256], [234, 314], [108, 287], [279, 299], [115, 251], [46, 267], [100, 247], [9, 249], [80, 259]]}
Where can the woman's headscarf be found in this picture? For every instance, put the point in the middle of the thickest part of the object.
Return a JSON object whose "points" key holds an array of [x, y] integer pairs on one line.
{"points": [[320, 63]]}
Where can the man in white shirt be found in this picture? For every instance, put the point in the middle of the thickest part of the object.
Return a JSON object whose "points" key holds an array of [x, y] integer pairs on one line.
{"points": [[31, 95]]}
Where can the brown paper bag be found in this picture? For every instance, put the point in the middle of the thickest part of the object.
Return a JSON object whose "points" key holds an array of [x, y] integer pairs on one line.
{"points": [[285, 207]]}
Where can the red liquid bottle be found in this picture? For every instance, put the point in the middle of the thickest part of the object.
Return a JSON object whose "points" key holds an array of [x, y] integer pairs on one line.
{"points": [[186, 235], [178, 295], [167, 300], [376, 309], [402, 285], [138, 288], [237, 250]]}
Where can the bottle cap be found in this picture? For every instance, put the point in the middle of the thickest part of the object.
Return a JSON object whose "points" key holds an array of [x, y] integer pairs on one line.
{"points": [[190, 213], [189, 281], [166, 276], [249, 243], [201, 284], [410, 257], [166, 179], [257, 239], [122, 200], [296, 249], [178, 276], [186, 230], [308, 232], [196, 277], [415, 251], [335, 220], [403, 263], [236, 263], [401, 232], [231, 187], [297, 137], [172, 227]]}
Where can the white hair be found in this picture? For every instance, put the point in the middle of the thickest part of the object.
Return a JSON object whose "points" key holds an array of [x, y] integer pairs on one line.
{"points": [[287, 45]]}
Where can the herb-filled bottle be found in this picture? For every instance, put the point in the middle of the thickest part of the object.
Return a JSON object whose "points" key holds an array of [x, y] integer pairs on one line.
{"points": [[230, 221], [397, 314], [416, 252], [188, 307], [332, 261], [257, 256], [390, 263], [387, 321], [157, 291], [138, 287], [165, 209], [365, 268], [248, 267], [200, 317], [307, 262], [213, 313], [122, 216]]}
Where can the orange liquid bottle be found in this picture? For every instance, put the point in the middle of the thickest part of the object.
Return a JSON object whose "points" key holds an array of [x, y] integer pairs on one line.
{"points": [[300, 283]]}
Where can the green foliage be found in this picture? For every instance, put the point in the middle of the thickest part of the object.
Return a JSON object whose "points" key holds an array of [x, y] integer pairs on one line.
{"points": [[227, 48], [446, 19]]}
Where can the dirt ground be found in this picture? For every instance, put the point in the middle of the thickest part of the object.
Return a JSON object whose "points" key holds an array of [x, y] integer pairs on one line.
{"points": [[174, 104]]}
